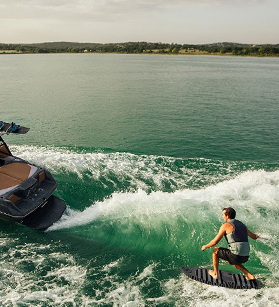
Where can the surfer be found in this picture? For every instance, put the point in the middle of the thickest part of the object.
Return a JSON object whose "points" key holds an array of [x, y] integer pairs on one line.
{"points": [[236, 234]]}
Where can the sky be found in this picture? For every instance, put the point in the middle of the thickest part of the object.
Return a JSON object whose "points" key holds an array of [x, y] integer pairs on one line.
{"points": [[168, 21]]}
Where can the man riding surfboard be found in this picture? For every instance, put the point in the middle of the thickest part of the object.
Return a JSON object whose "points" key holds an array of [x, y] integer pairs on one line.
{"points": [[236, 234]]}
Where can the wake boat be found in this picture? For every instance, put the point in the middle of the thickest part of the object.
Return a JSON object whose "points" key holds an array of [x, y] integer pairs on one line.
{"points": [[26, 189]]}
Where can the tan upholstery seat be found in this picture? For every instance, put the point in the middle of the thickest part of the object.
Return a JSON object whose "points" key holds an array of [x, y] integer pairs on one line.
{"points": [[13, 174], [7, 181]]}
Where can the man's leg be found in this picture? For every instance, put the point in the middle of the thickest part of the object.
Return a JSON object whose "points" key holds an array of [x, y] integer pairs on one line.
{"points": [[244, 270], [215, 258]]}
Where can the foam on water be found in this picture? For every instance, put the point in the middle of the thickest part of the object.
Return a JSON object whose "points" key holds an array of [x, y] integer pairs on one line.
{"points": [[34, 275], [196, 294], [132, 171], [63, 287], [255, 193]]}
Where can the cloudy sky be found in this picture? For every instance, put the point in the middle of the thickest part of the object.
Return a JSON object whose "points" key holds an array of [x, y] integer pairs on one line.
{"points": [[179, 21]]}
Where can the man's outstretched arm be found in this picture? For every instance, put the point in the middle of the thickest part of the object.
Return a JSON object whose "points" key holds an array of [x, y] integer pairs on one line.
{"points": [[252, 235]]}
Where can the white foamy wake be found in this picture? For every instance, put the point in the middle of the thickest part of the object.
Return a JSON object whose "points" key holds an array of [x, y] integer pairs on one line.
{"points": [[57, 280], [193, 294], [137, 171], [35, 275], [254, 194]]}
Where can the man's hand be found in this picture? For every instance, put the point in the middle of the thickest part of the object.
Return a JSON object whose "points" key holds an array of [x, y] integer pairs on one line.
{"points": [[203, 248], [252, 235]]}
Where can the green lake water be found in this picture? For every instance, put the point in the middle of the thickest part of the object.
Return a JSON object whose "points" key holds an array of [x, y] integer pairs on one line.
{"points": [[146, 151]]}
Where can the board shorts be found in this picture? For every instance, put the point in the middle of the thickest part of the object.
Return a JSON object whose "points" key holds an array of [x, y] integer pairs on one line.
{"points": [[227, 255]]}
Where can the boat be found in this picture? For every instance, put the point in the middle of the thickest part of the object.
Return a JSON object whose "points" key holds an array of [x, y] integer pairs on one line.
{"points": [[26, 190]]}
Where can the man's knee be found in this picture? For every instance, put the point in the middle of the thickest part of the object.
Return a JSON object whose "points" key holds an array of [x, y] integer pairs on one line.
{"points": [[215, 250]]}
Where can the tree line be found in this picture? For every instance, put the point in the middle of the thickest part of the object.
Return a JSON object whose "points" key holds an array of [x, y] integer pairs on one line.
{"points": [[144, 47]]}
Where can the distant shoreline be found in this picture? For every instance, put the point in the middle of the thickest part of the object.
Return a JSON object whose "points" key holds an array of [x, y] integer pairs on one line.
{"points": [[227, 49], [11, 52]]}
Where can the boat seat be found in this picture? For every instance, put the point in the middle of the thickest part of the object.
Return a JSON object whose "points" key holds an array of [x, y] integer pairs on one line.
{"points": [[13, 174]]}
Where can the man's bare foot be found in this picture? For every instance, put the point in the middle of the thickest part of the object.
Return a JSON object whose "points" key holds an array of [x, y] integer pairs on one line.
{"points": [[211, 273], [250, 276]]}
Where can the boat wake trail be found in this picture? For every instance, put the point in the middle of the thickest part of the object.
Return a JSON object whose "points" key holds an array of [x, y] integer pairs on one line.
{"points": [[255, 193], [179, 223], [120, 171]]}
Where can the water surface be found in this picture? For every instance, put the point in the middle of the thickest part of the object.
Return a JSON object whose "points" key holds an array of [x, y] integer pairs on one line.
{"points": [[146, 150]]}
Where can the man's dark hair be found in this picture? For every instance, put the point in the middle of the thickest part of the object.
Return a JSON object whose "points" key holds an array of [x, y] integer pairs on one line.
{"points": [[230, 212]]}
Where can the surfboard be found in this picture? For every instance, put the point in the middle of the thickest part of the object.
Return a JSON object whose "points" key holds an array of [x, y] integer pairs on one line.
{"points": [[225, 278]]}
